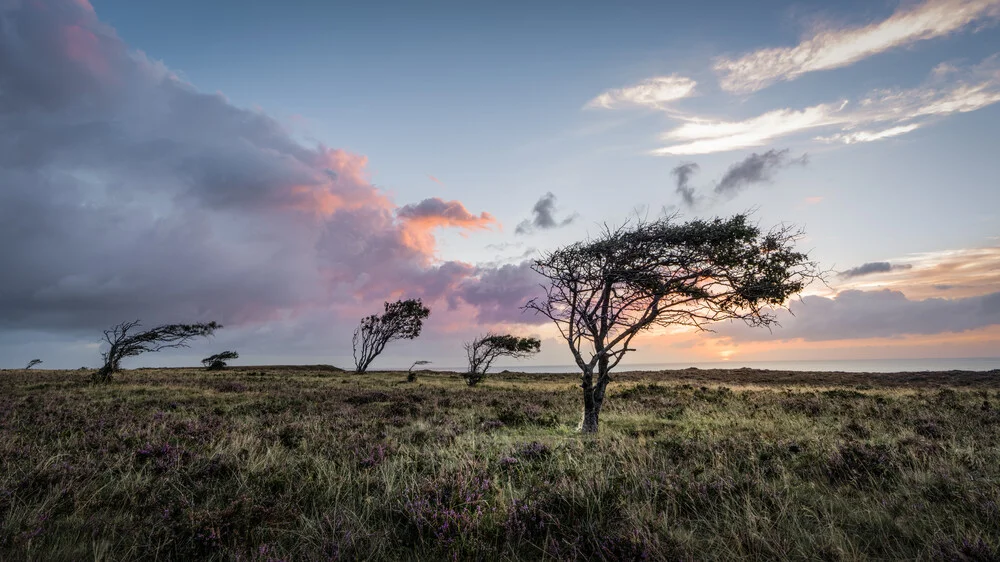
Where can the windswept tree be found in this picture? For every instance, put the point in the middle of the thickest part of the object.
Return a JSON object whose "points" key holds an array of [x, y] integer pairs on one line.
{"points": [[125, 341], [411, 375], [602, 292], [402, 320], [32, 363], [217, 362], [484, 350]]}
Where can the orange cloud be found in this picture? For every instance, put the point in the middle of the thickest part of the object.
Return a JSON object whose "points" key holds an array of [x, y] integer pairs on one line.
{"points": [[421, 218], [967, 272], [340, 182], [687, 345]]}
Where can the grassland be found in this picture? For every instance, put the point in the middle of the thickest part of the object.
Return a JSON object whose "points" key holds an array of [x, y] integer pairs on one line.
{"points": [[314, 464]]}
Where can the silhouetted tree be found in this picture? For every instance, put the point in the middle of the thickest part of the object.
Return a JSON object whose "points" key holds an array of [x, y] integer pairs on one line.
{"points": [[401, 320], [124, 342], [602, 292], [32, 363], [485, 349], [411, 376], [217, 362]]}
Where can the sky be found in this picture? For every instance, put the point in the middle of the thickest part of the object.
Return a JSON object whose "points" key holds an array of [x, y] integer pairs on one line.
{"points": [[284, 168]]}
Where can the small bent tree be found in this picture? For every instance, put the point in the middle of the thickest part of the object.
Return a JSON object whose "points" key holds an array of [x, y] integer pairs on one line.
{"points": [[402, 320], [125, 342], [217, 362], [411, 375], [483, 350], [602, 292], [32, 363]]}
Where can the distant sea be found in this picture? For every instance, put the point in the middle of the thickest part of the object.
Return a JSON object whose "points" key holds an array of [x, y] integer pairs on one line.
{"points": [[842, 365]]}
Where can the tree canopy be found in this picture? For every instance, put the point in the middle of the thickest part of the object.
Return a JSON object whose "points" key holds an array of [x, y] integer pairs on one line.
{"points": [[485, 349], [402, 319], [602, 292], [124, 342], [218, 361]]}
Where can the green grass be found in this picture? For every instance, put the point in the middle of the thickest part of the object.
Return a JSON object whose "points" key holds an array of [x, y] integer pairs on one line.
{"points": [[311, 464]]}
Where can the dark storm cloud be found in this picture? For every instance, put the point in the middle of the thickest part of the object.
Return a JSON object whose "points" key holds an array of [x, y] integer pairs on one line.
{"points": [[543, 216], [683, 175], [126, 193], [756, 168], [869, 314], [872, 267], [499, 293]]}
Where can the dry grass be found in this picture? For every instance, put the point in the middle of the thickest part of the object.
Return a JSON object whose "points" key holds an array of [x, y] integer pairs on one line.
{"points": [[309, 463]]}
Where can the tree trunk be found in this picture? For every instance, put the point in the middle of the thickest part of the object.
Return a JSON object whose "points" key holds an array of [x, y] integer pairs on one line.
{"points": [[591, 416], [591, 407], [593, 397]]}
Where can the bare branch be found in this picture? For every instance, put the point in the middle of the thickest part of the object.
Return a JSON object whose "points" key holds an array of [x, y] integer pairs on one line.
{"points": [[122, 343], [602, 292], [485, 349]]}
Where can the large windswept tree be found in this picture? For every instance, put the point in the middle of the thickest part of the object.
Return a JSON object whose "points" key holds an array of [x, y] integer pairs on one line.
{"points": [[602, 292], [486, 349], [401, 320], [124, 341]]}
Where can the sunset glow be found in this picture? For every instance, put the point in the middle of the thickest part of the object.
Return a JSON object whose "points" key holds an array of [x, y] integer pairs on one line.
{"points": [[289, 172]]}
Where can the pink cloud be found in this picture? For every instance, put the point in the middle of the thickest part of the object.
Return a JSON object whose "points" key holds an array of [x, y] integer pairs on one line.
{"points": [[217, 210]]}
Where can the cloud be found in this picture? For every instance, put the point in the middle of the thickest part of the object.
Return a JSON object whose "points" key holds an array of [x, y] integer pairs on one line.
{"points": [[895, 112], [869, 314], [682, 174], [873, 267], [835, 48], [499, 293], [653, 92], [756, 168], [965, 272], [870, 136], [543, 216], [130, 194], [436, 212], [703, 136]]}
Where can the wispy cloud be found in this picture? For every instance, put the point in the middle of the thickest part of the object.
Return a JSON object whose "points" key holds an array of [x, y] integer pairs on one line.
{"points": [[892, 112], [756, 168], [654, 92], [869, 136], [705, 136], [683, 175], [835, 48], [874, 267], [543, 216]]}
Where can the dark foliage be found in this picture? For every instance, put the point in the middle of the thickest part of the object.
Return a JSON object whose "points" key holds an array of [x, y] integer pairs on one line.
{"points": [[602, 292], [218, 361], [402, 319], [124, 342], [484, 350]]}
